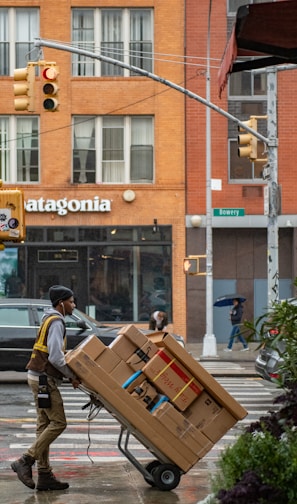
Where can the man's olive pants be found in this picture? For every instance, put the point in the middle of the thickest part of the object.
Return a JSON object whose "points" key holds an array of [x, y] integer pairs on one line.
{"points": [[50, 423]]}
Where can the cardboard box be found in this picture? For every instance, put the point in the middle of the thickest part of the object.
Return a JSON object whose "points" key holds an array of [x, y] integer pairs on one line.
{"points": [[145, 394], [172, 379], [92, 346], [140, 422], [121, 373], [137, 381], [134, 335], [142, 355], [202, 410], [183, 429], [219, 425], [108, 360], [219, 394], [123, 347]]}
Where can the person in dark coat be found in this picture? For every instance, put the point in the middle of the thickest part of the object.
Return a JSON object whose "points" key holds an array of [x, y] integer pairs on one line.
{"points": [[158, 321], [236, 316]]}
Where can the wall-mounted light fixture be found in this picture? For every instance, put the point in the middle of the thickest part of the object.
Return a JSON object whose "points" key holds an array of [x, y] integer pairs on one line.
{"points": [[196, 221], [155, 226], [129, 195], [113, 231]]}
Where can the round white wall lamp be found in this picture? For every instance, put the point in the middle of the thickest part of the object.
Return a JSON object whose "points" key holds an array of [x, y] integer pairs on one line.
{"points": [[196, 220], [129, 195]]}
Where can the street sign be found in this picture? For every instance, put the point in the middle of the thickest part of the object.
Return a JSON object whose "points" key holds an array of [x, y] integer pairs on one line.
{"points": [[228, 212]]}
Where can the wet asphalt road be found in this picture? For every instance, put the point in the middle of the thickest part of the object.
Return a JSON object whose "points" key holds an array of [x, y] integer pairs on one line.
{"points": [[117, 483]]}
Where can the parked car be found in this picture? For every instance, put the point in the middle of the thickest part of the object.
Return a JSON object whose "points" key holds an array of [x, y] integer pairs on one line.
{"points": [[269, 359], [20, 319]]}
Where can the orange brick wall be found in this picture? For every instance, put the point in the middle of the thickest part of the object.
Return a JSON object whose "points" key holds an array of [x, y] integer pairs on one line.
{"points": [[197, 16], [164, 200]]}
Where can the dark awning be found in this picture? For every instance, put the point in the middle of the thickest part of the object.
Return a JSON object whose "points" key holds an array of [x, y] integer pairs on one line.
{"points": [[268, 31]]}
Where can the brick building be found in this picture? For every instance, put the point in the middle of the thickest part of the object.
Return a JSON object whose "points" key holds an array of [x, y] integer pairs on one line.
{"points": [[103, 176], [113, 178], [239, 243]]}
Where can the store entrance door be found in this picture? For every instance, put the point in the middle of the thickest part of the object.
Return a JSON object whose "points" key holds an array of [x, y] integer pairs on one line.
{"points": [[42, 275]]}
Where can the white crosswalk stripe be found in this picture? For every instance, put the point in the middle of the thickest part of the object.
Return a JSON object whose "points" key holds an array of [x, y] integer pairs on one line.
{"points": [[97, 440]]}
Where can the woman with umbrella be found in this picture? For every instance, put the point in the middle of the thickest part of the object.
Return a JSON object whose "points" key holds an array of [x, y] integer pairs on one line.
{"points": [[236, 316]]}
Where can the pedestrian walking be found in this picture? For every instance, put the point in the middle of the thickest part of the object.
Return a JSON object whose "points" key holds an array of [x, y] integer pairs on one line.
{"points": [[236, 316], [46, 369]]}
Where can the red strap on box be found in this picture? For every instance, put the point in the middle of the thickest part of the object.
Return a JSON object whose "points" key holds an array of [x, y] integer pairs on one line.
{"points": [[174, 366]]}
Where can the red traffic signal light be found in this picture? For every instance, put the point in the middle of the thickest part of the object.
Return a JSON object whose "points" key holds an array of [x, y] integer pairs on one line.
{"points": [[50, 88]]}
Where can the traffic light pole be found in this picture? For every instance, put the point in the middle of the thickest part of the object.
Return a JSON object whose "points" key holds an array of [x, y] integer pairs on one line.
{"points": [[273, 193], [209, 343]]}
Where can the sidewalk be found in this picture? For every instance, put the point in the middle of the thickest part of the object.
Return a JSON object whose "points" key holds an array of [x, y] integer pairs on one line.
{"points": [[226, 363]]}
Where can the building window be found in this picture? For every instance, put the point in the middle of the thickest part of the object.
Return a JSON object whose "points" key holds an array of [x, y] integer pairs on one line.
{"points": [[247, 84], [122, 34], [242, 169], [27, 150], [18, 28], [113, 149], [19, 149], [122, 274], [4, 150], [233, 5]]}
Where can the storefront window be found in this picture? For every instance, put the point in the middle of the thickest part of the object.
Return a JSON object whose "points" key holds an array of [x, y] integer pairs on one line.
{"points": [[118, 273], [129, 283]]}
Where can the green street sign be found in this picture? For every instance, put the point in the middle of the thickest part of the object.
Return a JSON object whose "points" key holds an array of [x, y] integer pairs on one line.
{"points": [[228, 212]]}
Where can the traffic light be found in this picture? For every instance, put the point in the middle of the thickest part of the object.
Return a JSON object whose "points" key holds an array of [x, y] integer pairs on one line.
{"points": [[191, 265], [12, 215], [24, 88], [50, 87], [247, 141]]}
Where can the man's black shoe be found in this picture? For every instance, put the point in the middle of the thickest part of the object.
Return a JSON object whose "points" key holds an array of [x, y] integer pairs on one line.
{"points": [[23, 468], [47, 481]]}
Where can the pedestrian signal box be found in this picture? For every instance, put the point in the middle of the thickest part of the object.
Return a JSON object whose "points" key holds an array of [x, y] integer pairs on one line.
{"points": [[12, 216], [192, 265]]}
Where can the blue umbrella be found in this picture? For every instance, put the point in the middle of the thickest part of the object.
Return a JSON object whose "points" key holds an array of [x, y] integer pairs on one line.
{"points": [[227, 300]]}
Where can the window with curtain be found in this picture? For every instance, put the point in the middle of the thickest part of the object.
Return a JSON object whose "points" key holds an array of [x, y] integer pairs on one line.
{"points": [[113, 149], [141, 150], [4, 150], [141, 39], [18, 27], [26, 29], [113, 160], [84, 153], [112, 44], [4, 42], [83, 37], [27, 149], [122, 34]]}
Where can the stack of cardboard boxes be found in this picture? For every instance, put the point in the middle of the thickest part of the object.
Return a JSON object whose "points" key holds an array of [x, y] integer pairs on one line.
{"points": [[166, 399]]}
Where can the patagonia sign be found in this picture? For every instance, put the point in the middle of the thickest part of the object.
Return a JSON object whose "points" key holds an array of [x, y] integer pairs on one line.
{"points": [[63, 206]]}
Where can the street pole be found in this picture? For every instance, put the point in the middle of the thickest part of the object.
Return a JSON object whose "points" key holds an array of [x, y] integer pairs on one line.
{"points": [[273, 193], [209, 341]]}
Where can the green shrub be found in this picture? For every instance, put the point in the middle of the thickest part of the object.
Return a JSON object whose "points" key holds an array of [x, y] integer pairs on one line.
{"points": [[261, 466]]}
